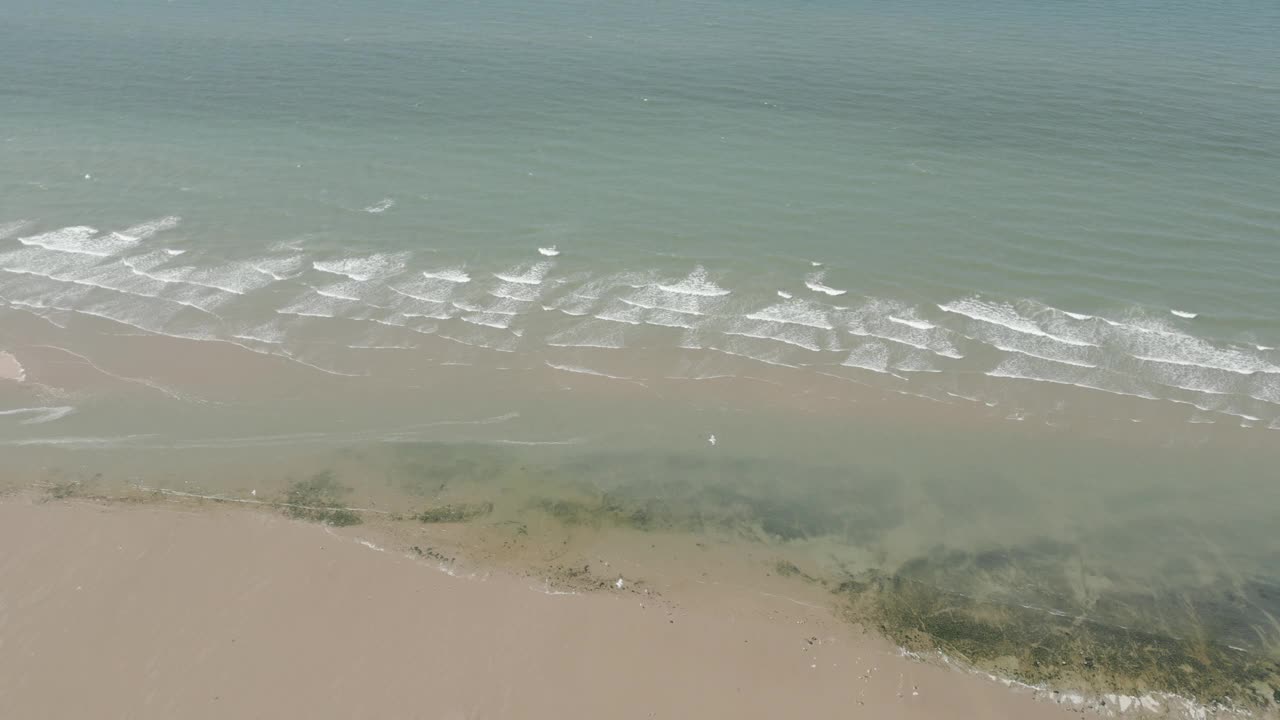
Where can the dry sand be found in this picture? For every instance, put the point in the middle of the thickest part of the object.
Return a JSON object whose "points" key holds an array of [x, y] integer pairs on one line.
{"points": [[110, 611]]}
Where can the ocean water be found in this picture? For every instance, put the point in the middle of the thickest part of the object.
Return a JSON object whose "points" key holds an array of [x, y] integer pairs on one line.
{"points": [[903, 280]]}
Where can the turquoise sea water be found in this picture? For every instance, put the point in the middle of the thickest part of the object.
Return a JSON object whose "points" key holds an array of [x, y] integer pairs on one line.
{"points": [[932, 275]]}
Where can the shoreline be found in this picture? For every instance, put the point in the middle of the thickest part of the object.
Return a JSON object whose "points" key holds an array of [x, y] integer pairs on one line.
{"points": [[158, 611], [198, 540]]}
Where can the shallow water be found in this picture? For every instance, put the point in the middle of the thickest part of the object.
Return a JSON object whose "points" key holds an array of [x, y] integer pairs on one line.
{"points": [[979, 297]]}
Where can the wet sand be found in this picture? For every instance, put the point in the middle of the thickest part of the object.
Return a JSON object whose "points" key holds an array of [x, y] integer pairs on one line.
{"points": [[10, 368], [156, 611]]}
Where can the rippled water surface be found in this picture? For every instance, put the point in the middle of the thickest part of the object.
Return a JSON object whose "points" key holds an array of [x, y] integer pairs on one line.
{"points": [[897, 281]]}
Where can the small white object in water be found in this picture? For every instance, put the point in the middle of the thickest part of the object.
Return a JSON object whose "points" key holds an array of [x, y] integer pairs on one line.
{"points": [[618, 584], [87, 176], [711, 439], [549, 251]]}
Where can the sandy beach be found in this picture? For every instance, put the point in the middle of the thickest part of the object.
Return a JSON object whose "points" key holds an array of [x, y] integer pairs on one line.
{"points": [[115, 611]]}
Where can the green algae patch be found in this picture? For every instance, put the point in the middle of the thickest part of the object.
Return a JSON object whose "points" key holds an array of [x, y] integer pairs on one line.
{"points": [[317, 499], [454, 513], [1050, 648], [613, 511]]}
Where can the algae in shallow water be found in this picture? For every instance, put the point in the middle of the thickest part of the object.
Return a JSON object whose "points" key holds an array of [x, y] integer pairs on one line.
{"points": [[1042, 647], [316, 499], [454, 513]]}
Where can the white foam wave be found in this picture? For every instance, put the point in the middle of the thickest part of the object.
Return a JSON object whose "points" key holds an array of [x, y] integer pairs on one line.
{"points": [[360, 346], [142, 263], [586, 298], [146, 319], [1185, 314], [916, 362], [586, 371], [1005, 316], [670, 318], [549, 251], [815, 282], [649, 305], [271, 332], [313, 366], [500, 308], [627, 316], [1023, 368], [785, 295], [423, 308], [655, 299], [411, 324], [9, 229], [77, 442], [912, 323], [336, 292], [457, 276], [81, 240], [800, 342], [534, 443], [573, 304], [1038, 356], [1149, 339], [799, 323], [279, 268], [1265, 388], [1202, 355], [526, 274], [487, 319], [381, 206], [321, 306], [236, 278], [1195, 379], [504, 344], [741, 348], [148, 229], [364, 269], [898, 323], [522, 293], [114, 277], [696, 283], [438, 292], [251, 337], [871, 355], [38, 415], [796, 312], [1220, 408], [590, 334]]}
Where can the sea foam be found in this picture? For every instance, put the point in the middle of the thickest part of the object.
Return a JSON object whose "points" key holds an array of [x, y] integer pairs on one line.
{"points": [[697, 283]]}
